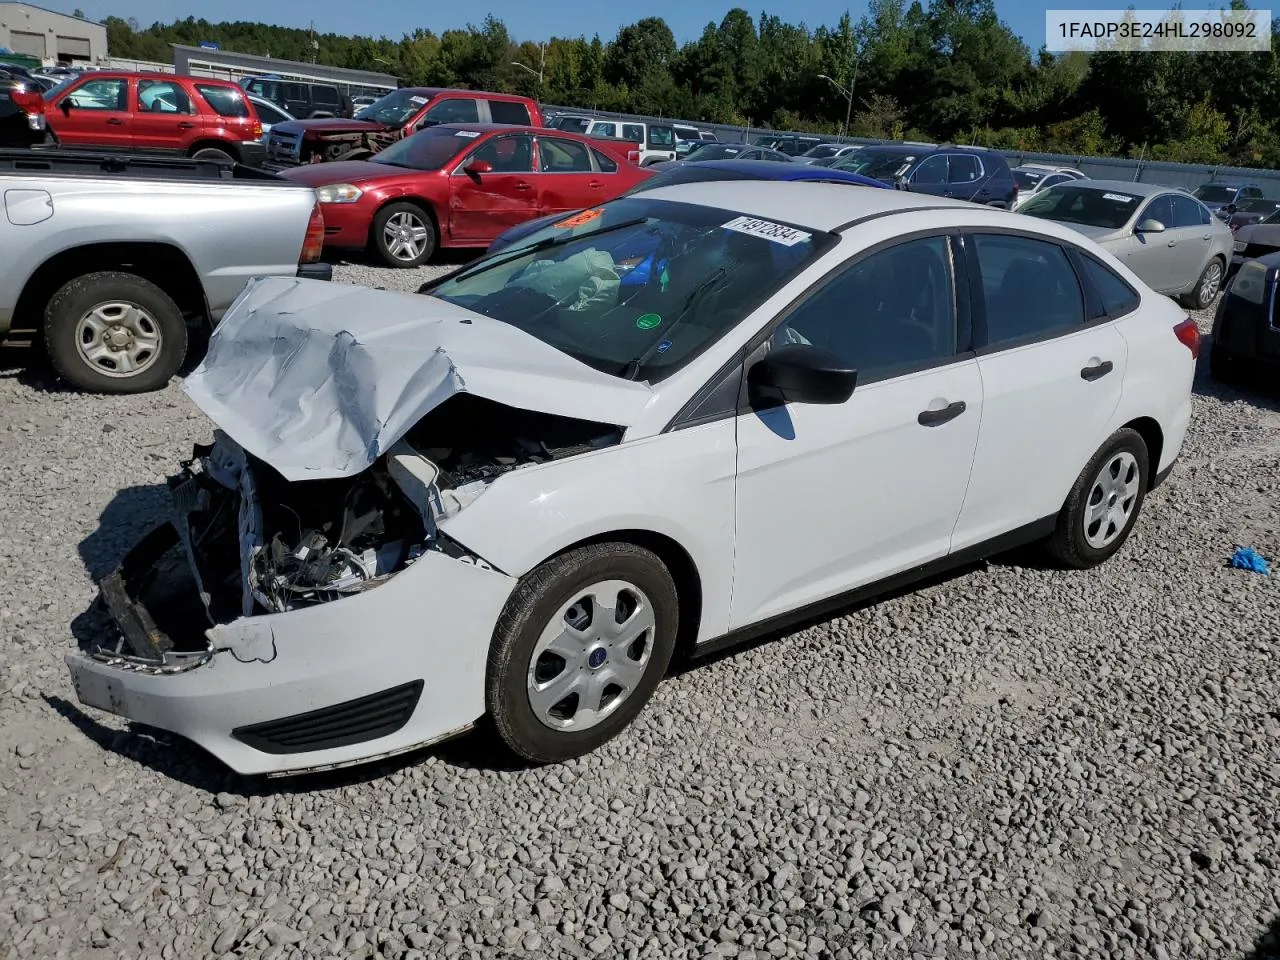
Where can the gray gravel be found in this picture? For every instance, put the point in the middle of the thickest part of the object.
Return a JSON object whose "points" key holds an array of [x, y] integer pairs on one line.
{"points": [[1016, 762]]}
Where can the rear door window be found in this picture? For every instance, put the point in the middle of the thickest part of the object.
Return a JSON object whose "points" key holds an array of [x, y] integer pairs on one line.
{"points": [[1029, 289], [562, 156], [163, 96], [509, 111], [963, 169]]}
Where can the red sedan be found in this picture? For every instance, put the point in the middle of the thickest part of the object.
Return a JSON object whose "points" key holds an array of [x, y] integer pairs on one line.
{"points": [[460, 185]]}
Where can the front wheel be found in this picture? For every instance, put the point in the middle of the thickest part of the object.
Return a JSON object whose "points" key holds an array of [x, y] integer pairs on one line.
{"points": [[579, 650], [403, 235], [114, 332], [1206, 288], [1104, 502]]}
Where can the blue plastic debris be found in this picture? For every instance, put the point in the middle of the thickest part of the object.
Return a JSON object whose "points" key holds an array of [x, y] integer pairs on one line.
{"points": [[1247, 558]]}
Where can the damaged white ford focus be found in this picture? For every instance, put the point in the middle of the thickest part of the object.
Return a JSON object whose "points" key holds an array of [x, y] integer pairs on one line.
{"points": [[679, 420]]}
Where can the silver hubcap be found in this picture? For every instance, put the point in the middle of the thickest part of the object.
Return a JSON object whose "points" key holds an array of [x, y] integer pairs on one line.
{"points": [[591, 656], [405, 235], [118, 339], [1212, 280], [1111, 501]]}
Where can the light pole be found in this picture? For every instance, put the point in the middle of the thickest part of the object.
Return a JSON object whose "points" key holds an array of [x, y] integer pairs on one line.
{"points": [[847, 94], [542, 64]]}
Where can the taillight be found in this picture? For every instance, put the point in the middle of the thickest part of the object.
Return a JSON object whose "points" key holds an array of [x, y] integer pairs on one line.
{"points": [[1189, 334], [257, 130], [633, 156], [313, 245]]}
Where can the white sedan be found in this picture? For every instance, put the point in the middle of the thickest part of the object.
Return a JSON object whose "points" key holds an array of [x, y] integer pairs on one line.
{"points": [[676, 421]]}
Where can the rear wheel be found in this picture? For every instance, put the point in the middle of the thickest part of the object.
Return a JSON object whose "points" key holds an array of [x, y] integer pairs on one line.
{"points": [[213, 153], [114, 332], [403, 235], [1206, 288], [1104, 502], [581, 646]]}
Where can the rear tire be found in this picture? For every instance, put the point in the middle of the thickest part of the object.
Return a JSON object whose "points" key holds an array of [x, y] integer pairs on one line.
{"points": [[403, 235], [565, 674], [114, 332], [213, 153], [1206, 288], [1104, 503]]}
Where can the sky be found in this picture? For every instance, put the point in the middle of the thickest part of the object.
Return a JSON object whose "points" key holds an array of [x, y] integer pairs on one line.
{"points": [[538, 21]]}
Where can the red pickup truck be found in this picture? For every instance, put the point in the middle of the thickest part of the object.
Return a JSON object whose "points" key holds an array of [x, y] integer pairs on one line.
{"points": [[153, 113], [397, 115]]}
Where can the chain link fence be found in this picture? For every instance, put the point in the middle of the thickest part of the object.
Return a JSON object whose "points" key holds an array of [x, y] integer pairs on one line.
{"points": [[1187, 175]]}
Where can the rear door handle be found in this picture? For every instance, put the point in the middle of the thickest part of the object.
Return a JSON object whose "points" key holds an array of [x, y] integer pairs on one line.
{"points": [[114, 121], [1097, 371], [935, 418], [185, 125], [594, 184], [524, 186], [1173, 243]]}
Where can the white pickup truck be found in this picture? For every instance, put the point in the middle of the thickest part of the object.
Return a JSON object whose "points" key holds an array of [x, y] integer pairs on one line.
{"points": [[109, 260], [653, 141]]}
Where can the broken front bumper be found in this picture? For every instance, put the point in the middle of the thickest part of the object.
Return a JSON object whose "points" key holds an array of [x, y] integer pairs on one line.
{"points": [[366, 676]]}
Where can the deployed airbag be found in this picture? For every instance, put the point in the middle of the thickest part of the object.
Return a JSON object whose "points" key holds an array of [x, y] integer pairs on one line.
{"points": [[319, 380]]}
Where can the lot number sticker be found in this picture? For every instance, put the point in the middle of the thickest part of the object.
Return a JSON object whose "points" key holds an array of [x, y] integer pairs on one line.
{"points": [[787, 236], [579, 219], [1117, 197]]}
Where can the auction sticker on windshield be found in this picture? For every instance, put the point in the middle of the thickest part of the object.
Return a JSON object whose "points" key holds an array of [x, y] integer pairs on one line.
{"points": [[579, 219], [1117, 197], [787, 236]]}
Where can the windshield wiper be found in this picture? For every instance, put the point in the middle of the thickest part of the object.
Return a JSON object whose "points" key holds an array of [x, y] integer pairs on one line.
{"points": [[632, 369], [485, 265]]}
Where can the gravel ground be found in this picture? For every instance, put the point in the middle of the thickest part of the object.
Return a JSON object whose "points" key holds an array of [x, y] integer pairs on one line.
{"points": [[1014, 762]]}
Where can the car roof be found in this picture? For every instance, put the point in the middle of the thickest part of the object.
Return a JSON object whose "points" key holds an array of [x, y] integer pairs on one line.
{"points": [[1124, 186], [768, 170], [818, 206]]}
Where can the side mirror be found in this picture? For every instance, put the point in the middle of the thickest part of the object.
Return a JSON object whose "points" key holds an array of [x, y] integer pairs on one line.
{"points": [[477, 167], [1150, 226], [900, 182], [801, 373], [65, 106]]}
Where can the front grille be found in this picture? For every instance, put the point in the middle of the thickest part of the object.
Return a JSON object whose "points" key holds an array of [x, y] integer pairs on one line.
{"points": [[283, 148], [355, 721]]}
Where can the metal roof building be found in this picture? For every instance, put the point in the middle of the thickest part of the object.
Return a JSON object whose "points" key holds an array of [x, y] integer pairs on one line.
{"points": [[51, 36], [203, 61]]}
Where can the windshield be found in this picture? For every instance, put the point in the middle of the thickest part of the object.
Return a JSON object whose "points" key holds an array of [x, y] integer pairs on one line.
{"points": [[1027, 179], [395, 109], [1257, 205], [823, 150], [638, 287], [430, 149], [878, 164], [715, 151], [1087, 206], [1213, 193]]}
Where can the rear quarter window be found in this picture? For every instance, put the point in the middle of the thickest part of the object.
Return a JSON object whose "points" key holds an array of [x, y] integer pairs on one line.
{"points": [[325, 95], [224, 101], [507, 111], [606, 163], [1115, 297]]}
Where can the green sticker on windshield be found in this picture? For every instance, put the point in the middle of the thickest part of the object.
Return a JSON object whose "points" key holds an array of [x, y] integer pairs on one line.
{"points": [[647, 321]]}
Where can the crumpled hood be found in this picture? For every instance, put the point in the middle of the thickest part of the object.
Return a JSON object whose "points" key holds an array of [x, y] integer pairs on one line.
{"points": [[319, 379]]}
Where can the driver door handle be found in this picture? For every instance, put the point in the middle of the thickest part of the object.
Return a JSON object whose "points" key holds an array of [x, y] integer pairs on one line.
{"points": [[594, 184], [936, 418], [523, 185], [185, 125], [1097, 371], [1173, 243]]}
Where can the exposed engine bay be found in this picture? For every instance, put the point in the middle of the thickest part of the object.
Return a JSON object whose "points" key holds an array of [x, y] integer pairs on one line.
{"points": [[256, 543]]}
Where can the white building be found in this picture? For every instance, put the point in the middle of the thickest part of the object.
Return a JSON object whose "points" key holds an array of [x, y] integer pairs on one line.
{"points": [[53, 37]]}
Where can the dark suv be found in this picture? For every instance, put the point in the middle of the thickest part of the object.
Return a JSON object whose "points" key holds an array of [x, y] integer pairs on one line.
{"points": [[966, 173], [787, 143], [21, 125], [302, 101]]}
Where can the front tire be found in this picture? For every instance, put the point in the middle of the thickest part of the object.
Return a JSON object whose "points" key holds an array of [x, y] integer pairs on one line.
{"points": [[403, 235], [1104, 503], [114, 332], [1206, 288], [577, 653]]}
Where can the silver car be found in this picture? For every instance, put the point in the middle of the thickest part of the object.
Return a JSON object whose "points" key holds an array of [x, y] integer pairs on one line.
{"points": [[1164, 235]]}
